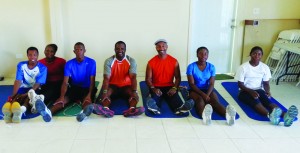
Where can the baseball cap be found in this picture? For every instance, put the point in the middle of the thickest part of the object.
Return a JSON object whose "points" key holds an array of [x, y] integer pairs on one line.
{"points": [[161, 40]]}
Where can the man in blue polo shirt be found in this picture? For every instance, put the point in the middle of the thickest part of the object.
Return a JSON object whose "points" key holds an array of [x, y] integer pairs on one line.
{"points": [[79, 83]]}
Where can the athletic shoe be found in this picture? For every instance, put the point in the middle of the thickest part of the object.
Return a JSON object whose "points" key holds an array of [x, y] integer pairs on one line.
{"points": [[17, 112], [151, 105], [43, 110], [188, 105], [100, 110], [275, 116], [134, 111], [6, 110], [290, 115], [85, 112], [230, 114], [33, 97], [206, 114]]}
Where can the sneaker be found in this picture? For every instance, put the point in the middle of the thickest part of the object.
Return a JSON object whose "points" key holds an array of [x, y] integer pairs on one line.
{"points": [[17, 112], [6, 110], [230, 115], [85, 112], [134, 111], [100, 110], [206, 114], [275, 116], [188, 105], [151, 105], [290, 115], [33, 97], [43, 110]]}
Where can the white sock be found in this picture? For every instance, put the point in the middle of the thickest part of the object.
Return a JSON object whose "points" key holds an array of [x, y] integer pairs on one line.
{"points": [[23, 109]]}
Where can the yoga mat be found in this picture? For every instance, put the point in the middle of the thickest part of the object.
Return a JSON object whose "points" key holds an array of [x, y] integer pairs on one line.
{"points": [[233, 90], [5, 91], [73, 109], [215, 116], [223, 77], [165, 110]]}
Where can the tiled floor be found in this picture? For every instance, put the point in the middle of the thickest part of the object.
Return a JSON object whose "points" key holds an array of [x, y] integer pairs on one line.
{"points": [[151, 135]]}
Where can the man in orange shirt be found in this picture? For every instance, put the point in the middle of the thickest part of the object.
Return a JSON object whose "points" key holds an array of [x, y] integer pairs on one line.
{"points": [[160, 73], [119, 81]]}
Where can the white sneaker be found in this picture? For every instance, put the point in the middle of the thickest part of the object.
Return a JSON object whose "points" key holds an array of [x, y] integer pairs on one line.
{"points": [[206, 114], [33, 97], [230, 115]]}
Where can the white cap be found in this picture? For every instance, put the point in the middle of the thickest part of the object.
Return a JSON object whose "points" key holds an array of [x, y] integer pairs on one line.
{"points": [[160, 40]]}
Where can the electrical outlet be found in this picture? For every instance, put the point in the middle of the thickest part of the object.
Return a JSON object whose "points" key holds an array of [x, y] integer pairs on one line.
{"points": [[256, 11]]}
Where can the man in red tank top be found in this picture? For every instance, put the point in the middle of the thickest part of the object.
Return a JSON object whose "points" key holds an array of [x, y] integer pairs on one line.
{"points": [[161, 70]]}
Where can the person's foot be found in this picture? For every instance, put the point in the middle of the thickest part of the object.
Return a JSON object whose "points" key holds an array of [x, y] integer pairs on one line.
{"points": [[187, 106], [206, 114], [134, 111], [290, 115], [275, 116], [85, 112], [230, 115], [100, 110], [17, 112], [33, 97], [43, 110], [151, 105], [6, 110]]}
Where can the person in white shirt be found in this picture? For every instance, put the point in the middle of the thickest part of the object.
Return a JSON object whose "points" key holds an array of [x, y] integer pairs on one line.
{"points": [[253, 80]]}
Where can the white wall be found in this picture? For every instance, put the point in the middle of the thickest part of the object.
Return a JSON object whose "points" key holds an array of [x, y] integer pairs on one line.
{"points": [[100, 23], [23, 24]]}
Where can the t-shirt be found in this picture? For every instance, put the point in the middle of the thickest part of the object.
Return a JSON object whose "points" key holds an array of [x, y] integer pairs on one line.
{"points": [[253, 76], [80, 72], [119, 70], [201, 78], [163, 70], [29, 77], [55, 69]]}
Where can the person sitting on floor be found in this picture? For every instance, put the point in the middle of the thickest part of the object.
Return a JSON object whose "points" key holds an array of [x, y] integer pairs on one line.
{"points": [[201, 78], [253, 80], [119, 81], [30, 75], [160, 73], [78, 84]]}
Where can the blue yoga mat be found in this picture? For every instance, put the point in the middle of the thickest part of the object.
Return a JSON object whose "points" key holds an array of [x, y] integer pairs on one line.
{"points": [[215, 116], [165, 110], [119, 106], [233, 89], [5, 91]]}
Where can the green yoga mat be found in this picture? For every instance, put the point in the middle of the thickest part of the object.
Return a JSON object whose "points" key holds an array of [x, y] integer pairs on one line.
{"points": [[223, 77], [73, 109]]}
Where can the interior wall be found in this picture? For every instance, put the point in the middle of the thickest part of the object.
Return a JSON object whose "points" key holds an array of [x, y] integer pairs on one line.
{"points": [[257, 9], [23, 24], [99, 24], [265, 34], [39, 22]]}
